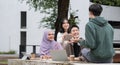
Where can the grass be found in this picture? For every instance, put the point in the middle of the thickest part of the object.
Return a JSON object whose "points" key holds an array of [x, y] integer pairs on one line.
{"points": [[9, 52], [3, 62]]}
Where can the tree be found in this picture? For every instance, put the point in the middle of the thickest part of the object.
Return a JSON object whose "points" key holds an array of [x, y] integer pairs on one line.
{"points": [[56, 9], [63, 7], [48, 7], [107, 2]]}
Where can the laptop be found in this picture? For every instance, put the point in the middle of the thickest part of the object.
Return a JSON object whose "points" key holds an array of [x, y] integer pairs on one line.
{"points": [[59, 55], [25, 56]]}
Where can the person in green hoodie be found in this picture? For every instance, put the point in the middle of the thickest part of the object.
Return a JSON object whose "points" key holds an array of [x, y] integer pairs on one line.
{"points": [[98, 38]]}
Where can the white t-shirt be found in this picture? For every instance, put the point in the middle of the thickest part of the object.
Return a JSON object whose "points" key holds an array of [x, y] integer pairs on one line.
{"points": [[59, 37]]}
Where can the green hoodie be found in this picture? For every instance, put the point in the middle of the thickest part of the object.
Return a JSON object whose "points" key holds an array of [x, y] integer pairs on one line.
{"points": [[99, 38]]}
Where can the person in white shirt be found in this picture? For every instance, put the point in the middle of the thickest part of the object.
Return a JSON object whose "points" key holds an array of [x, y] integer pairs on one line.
{"points": [[64, 26], [64, 30]]}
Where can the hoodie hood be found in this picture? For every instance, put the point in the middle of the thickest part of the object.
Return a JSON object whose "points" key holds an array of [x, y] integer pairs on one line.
{"points": [[100, 21]]}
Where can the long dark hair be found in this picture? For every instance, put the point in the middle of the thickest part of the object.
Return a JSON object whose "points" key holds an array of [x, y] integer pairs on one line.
{"points": [[61, 29]]}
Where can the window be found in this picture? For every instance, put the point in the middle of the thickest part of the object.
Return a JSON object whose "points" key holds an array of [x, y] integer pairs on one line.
{"points": [[23, 19], [23, 38], [115, 24]]}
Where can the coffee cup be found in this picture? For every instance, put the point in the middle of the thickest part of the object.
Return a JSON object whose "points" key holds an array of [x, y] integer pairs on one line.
{"points": [[32, 55], [72, 57]]}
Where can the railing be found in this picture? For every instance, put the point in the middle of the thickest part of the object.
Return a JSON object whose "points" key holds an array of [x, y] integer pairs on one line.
{"points": [[22, 48], [116, 43]]}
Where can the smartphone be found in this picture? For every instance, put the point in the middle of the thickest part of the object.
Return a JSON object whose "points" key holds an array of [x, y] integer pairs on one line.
{"points": [[67, 37]]}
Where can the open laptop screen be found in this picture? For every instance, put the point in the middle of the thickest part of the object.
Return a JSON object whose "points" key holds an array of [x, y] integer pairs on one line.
{"points": [[59, 55]]}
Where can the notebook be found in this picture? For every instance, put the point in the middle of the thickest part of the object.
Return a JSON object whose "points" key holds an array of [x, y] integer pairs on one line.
{"points": [[59, 55]]}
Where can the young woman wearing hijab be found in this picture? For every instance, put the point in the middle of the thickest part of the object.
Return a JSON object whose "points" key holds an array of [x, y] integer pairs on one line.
{"points": [[48, 43]]}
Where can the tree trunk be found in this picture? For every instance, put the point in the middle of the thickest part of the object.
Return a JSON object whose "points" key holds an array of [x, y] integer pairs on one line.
{"points": [[63, 7]]}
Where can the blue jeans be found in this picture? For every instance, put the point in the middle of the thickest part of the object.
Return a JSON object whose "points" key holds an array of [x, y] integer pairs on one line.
{"points": [[85, 52]]}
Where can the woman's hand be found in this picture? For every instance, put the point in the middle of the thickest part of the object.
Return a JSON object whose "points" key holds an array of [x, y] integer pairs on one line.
{"points": [[45, 57], [64, 35]]}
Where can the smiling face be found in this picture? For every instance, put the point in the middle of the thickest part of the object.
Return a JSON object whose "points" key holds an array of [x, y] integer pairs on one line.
{"points": [[65, 25], [75, 31], [50, 35]]}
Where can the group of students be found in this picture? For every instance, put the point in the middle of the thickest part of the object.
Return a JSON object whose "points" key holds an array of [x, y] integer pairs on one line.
{"points": [[48, 42], [97, 46]]}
